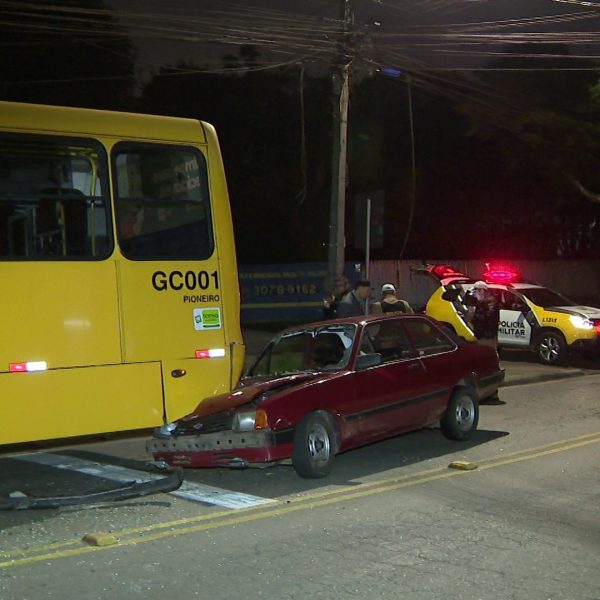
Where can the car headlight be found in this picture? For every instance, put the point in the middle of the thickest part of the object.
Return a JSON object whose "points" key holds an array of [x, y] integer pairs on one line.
{"points": [[581, 322], [165, 431], [244, 420]]}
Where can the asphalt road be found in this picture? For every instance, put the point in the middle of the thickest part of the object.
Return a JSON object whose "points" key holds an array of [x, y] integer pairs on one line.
{"points": [[392, 521]]}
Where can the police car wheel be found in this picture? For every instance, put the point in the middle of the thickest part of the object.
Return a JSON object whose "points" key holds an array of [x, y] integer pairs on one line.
{"points": [[551, 348], [462, 415]]}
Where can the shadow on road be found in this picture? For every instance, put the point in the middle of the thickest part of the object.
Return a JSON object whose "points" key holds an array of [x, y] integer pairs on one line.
{"points": [[369, 461]]}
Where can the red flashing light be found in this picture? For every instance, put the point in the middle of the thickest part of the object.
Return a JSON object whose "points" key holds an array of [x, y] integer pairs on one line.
{"points": [[501, 273], [202, 354], [17, 367], [443, 271]]}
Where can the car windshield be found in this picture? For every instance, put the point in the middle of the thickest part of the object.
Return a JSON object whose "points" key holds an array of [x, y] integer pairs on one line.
{"points": [[312, 349], [544, 297]]}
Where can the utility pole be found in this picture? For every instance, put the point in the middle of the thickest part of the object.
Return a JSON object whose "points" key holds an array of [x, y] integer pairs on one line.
{"points": [[341, 94]]}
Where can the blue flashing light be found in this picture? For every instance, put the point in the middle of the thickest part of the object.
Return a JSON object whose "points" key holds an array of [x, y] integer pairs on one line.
{"points": [[391, 72]]}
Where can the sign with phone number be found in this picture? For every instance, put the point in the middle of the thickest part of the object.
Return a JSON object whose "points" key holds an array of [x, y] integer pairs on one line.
{"points": [[283, 293]]}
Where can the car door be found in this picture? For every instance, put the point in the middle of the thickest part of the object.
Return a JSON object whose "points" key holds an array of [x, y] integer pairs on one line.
{"points": [[387, 394], [435, 350], [514, 328]]}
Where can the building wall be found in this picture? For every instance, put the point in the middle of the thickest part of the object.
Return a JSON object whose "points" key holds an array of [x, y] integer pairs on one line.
{"points": [[293, 293], [579, 280]]}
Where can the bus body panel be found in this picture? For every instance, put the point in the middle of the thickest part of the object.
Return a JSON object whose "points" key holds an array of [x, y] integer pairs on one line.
{"points": [[104, 315], [223, 222], [63, 313], [98, 123], [163, 323], [71, 402], [182, 392]]}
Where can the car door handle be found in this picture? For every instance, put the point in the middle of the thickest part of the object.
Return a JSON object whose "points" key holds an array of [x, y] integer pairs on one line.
{"points": [[415, 365]]}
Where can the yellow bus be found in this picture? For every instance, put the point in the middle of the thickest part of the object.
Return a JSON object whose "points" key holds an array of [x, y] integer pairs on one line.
{"points": [[120, 297]]}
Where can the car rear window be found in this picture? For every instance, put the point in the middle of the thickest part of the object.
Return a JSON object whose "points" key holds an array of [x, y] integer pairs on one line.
{"points": [[427, 338]]}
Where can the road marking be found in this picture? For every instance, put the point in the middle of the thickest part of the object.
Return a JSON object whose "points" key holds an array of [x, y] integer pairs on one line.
{"points": [[283, 507], [196, 492]]}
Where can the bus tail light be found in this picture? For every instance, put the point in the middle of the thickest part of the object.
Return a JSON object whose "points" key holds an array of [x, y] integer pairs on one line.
{"points": [[28, 367], [210, 353]]}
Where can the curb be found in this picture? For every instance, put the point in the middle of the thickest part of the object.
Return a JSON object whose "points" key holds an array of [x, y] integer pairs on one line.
{"points": [[540, 378]]}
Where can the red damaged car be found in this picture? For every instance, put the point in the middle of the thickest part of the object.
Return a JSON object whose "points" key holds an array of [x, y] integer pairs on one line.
{"points": [[324, 388]]}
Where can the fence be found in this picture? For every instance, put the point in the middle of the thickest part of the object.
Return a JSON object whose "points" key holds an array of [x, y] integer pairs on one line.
{"points": [[294, 292]]}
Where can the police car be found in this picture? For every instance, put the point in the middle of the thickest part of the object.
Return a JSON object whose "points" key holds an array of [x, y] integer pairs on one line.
{"points": [[532, 317]]}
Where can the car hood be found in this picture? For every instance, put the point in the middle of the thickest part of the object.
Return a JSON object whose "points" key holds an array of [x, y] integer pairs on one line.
{"points": [[588, 312], [252, 389]]}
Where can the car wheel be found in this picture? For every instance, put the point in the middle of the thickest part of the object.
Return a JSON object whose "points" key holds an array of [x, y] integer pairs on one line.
{"points": [[462, 415], [313, 447], [551, 348]]}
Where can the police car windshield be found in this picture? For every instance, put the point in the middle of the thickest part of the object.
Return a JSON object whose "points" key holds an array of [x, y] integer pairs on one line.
{"points": [[544, 297]]}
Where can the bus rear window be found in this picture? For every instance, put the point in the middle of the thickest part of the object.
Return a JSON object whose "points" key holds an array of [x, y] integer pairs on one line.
{"points": [[53, 199], [162, 202]]}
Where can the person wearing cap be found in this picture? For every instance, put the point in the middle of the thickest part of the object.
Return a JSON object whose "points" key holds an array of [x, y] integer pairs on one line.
{"points": [[354, 303], [484, 314], [390, 302]]}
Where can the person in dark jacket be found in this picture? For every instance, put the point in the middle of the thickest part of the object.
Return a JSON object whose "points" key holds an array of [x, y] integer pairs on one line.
{"points": [[484, 314], [354, 303], [331, 302]]}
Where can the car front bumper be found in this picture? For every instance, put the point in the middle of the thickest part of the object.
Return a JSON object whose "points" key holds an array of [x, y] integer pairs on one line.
{"points": [[589, 346], [223, 448]]}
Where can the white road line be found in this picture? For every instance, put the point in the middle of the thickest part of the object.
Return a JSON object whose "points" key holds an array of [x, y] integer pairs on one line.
{"points": [[196, 492]]}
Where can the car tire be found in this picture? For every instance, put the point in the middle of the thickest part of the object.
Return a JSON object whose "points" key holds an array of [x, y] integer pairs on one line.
{"points": [[551, 347], [314, 445], [462, 415]]}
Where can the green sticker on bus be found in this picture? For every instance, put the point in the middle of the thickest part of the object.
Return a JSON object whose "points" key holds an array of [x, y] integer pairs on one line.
{"points": [[207, 318]]}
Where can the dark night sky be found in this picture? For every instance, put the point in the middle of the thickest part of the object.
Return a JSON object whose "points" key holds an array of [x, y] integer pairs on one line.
{"points": [[443, 18], [483, 135]]}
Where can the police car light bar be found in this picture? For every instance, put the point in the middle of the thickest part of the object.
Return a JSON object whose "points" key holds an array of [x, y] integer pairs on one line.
{"points": [[28, 367], [501, 273]]}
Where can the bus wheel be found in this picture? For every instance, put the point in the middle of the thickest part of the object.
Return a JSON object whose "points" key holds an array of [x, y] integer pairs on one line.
{"points": [[314, 444], [551, 348]]}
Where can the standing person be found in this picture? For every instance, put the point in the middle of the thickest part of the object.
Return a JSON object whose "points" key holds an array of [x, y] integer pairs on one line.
{"points": [[390, 302], [332, 301], [485, 314], [354, 303]]}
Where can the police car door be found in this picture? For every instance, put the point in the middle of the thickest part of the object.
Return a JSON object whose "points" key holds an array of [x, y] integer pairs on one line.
{"points": [[514, 328]]}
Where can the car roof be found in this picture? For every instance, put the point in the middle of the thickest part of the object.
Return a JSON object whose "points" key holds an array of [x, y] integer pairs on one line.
{"points": [[512, 286], [362, 320]]}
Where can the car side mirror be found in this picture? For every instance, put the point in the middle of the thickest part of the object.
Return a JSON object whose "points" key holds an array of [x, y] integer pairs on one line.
{"points": [[365, 361]]}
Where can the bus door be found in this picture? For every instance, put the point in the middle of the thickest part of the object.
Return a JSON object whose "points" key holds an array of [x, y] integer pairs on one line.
{"points": [[60, 355], [168, 276]]}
